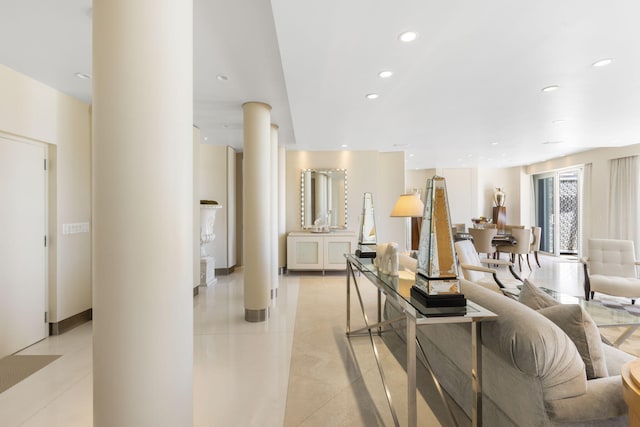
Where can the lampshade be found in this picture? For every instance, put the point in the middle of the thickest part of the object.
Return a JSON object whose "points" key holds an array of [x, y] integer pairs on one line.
{"points": [[408, 205]]}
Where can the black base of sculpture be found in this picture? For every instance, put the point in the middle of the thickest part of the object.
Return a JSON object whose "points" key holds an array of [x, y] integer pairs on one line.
{"points": [[440, 305]]}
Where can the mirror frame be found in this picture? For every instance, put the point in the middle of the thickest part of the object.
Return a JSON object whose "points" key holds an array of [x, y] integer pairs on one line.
{"points": [[303, 198]]}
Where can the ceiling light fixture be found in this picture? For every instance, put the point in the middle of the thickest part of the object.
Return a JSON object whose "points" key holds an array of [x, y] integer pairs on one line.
{"points": [[222, 77], [401, 145], [602, 62], [83, 76], [552, 142], [372, 96], [559, 121], [206, 138], [385, 74], [495, 143], [550, 88], [344, 145], [407, 36]]}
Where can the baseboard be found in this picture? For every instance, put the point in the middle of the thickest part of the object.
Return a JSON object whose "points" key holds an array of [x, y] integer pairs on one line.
{"points": [[70, 322], [225, 271]]}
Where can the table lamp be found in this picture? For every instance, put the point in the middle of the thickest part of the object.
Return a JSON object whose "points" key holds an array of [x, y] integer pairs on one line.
{"points": [[410, 206]]}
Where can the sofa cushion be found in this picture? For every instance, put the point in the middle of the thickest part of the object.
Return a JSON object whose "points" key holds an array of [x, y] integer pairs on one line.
{"points": [[582, 330], [531, 343], [534, 298]]}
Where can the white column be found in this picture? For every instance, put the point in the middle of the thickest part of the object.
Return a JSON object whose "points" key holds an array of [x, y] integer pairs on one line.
{"points": [[257, 211], [282, 207], [274, 211], [142, 213]]}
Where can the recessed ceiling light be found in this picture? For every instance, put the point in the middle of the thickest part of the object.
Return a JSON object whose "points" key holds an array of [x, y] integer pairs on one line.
{"points": [[550, 88], [373, 96], [401, 145], [344, 145], [602, 62], [385, 74], [83, 76], [206, 138], [552, 142], [222, 77], [408, 36], [495, 143], [559, 121], [411, 155]]}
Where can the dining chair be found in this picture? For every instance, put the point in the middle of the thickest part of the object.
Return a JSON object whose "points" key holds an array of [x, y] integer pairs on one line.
{"points": [[474, 271], [611, 269], [509, 227], [535, 244], [482, 240], [522, 246]]}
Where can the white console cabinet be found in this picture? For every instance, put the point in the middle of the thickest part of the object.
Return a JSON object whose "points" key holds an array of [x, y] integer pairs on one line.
{"points": [[319, 251]]}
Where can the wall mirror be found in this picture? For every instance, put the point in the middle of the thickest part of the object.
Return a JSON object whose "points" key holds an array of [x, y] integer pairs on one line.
{"points": [[323, 204]]}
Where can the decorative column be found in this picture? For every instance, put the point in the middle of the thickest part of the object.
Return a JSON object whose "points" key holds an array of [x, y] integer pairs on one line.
{"points": [[142, 213], [257, 212], [208, 209], [274, 211]]}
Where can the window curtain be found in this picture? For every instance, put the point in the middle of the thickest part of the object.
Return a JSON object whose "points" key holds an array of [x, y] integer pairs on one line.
{"points": [[624, 201], [585, 210]]}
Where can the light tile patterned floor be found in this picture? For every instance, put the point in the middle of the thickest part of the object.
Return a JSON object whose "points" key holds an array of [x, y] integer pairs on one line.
{"points": [[266, 374]]}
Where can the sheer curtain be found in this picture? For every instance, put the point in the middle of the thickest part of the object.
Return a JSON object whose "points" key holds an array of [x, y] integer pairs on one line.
{"points": [[624, 201]]}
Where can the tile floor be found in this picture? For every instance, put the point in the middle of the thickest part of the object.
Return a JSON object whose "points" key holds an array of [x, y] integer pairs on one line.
{"points": [[265, 374]]}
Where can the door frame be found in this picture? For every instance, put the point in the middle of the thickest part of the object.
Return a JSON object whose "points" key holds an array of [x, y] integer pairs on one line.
{"points": [[555, 174], [11, 138]]}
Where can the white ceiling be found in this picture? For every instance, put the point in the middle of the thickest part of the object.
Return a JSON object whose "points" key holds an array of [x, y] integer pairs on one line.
{"points": [[473, 76]]}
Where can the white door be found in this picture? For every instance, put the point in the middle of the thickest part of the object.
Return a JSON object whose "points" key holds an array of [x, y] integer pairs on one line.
{"points": [[22, 249]]}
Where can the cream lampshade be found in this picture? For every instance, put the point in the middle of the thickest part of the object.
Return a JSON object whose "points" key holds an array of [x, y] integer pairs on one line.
{"points": [[408, 205]]}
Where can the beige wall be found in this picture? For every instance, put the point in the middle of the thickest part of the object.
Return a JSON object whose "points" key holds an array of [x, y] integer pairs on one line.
{"points": [[196, 206], [382, 174], [216, 184], [32, 110], [470, 191], [600, 161]]}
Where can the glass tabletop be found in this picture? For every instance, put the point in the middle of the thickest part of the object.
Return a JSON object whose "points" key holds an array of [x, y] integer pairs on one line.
{"points": [[398, 288]]}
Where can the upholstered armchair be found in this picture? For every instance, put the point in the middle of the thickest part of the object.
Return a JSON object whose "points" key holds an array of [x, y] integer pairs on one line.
{"points": [[474, 271], [611, 269]]}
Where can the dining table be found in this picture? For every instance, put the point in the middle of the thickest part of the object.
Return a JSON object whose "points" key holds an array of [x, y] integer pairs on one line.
{"points": [[500, 239]]}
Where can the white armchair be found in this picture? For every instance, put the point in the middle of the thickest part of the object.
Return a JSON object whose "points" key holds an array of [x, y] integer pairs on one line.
{"points": [[611, 269], [474, 271]]}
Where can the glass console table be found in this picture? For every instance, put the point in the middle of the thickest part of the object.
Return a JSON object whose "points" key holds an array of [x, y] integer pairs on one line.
{"points": [[397, 292]]}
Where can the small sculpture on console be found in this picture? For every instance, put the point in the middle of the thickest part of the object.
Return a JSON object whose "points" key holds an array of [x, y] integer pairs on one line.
{"points": [[387, 258]]}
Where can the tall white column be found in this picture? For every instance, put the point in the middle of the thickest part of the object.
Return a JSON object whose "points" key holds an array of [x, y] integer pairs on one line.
{"points": [[142, 213], [274, 211], [257, 211]]}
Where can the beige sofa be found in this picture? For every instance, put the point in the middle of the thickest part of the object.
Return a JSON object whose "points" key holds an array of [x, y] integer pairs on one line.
{"points": [[532, 372]]}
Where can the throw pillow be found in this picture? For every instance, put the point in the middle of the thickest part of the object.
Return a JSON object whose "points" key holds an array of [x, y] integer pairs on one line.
{"points": [[580, 327], [534, 298]]}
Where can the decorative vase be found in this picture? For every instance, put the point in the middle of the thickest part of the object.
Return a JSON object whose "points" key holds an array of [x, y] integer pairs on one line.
{"points": [[499, 197]]}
